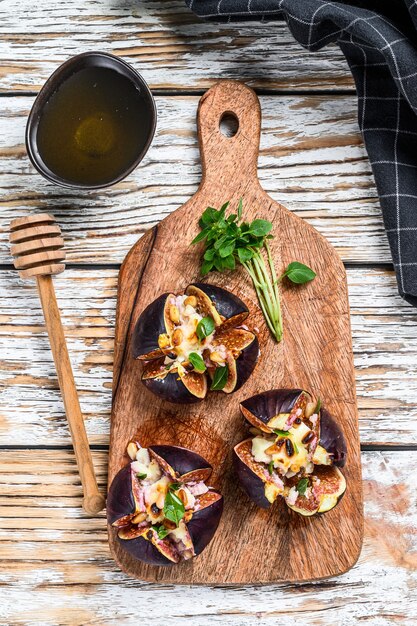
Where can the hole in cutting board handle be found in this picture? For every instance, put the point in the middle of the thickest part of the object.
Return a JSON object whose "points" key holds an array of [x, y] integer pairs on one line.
{"points": [[229, 124]]}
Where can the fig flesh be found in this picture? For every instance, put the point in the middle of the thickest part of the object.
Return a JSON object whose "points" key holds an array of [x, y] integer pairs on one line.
{"points": [[161, 506], [294, 453], [193, 341]]}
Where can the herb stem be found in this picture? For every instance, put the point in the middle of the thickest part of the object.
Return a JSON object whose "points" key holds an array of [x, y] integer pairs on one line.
{"points": [[275, 282]]}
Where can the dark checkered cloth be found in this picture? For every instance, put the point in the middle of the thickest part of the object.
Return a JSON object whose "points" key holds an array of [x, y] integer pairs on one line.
{"points": [[379, 40]]}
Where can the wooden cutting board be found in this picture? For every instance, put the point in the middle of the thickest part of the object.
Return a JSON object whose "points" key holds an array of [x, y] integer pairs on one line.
{"points": [[251, 545]]}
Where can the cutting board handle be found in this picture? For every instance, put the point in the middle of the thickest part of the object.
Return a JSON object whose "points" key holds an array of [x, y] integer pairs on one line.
{"points": [[226, 158]]}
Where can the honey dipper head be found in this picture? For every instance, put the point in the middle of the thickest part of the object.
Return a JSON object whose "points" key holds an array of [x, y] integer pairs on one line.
{"points": [[37, 246]]}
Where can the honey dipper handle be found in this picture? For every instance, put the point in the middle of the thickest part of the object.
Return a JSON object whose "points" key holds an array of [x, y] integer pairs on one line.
{"points": [[93, 501]]}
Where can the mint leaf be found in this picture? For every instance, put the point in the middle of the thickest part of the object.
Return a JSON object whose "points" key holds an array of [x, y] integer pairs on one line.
{"points": [[197, 362], [205, 327], [174, 509], [299, 273], [220, 377], [141, 476], [270, 467], [302, 486]]}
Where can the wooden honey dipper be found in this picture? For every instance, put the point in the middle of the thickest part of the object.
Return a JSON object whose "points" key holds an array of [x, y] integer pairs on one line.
{"points": [[37, 248]]}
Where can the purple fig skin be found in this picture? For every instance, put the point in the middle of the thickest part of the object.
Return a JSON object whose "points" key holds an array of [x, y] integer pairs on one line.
{"points": [[145, 551], [185, 466], [181, 460], [227, 304], [246, 362], [252, 484], [120, 500], [203, 524], [264, 406], [149, 326], [171, 389], [332, 438]]}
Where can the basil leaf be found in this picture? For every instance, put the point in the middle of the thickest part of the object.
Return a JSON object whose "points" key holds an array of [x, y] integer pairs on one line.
{"points": [[205, 327], [206, 267], [240, 209], [220, 377], [226, 249], [141, 476], [244, 254], [229, 262], [270, 467], [299, 273], [174, 509], [161, 531], [209, 216], [197, 362], [175, 486], [209, 254], [223, 208], [302, 486], [318, 406], [281, 433], [260, 228], [201, 235], [295, 447]]}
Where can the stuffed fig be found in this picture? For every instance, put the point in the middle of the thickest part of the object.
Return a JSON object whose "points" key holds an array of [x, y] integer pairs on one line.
{"points": [[161, 506], [194, 342], [295, 452]]}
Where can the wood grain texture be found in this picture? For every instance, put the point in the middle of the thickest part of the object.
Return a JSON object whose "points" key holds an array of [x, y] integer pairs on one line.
{"points": [[39, 257], [164, 41], [384, 334], [311, 159], [315, 354], [56, 568]]}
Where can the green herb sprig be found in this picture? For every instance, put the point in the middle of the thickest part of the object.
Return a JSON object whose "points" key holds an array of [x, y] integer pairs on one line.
{"points": [[229, 241], [302, 486], [160, 530], [174, 509], [221, 374], [205, 327], [197, 362]]}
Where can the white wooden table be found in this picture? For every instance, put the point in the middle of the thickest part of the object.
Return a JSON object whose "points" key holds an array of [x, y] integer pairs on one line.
{"points": [[55, 564]]}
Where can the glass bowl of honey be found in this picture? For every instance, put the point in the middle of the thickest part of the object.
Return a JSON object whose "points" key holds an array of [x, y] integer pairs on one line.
{"points": [[92, 122]]}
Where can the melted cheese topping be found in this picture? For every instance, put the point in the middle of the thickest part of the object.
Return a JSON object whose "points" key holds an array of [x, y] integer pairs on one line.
{"points": [[282, 462], [188, 322]]}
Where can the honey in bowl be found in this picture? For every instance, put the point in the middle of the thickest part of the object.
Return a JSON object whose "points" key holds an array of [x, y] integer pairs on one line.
{"points": [[92, 122]]}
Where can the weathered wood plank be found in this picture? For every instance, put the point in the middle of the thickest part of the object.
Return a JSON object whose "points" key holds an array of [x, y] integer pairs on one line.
{"points": [[164, 41], [57, 568], [312, 160], [384, 342]]}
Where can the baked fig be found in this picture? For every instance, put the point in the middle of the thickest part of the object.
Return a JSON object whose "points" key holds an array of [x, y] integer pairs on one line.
{"points": [[161, 506], [293, 453], [194, 342], [318, 492]]}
